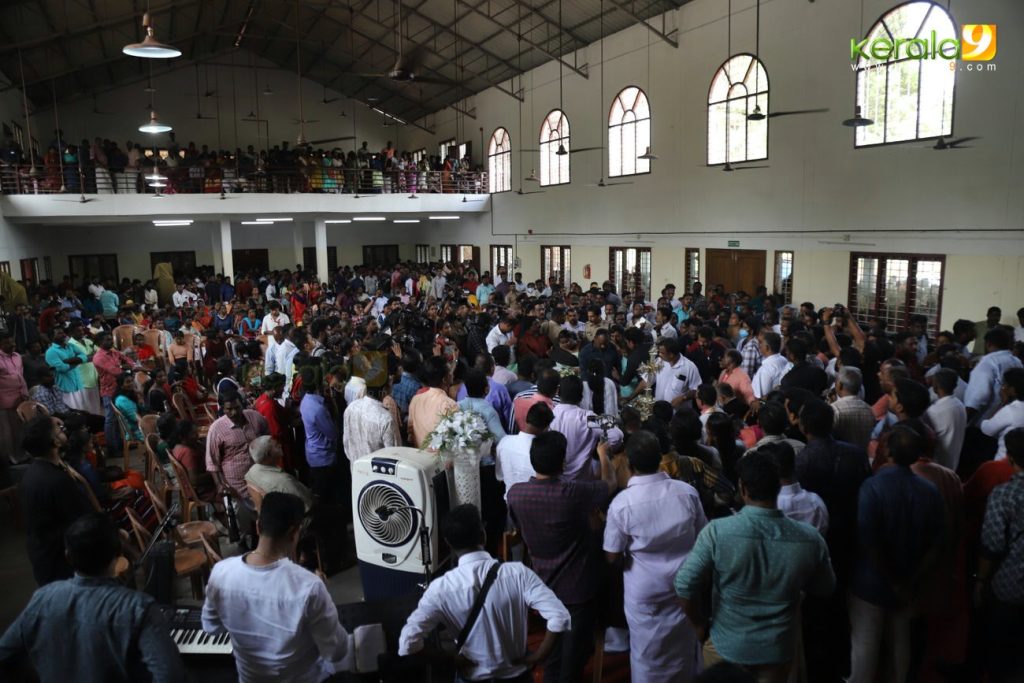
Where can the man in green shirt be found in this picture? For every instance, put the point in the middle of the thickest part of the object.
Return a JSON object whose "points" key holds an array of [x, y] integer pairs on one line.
{"points": [[760, 561]]}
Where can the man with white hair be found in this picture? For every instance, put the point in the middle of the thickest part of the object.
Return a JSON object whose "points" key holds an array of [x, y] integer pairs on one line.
{"points": [[854, 420], [266, 473]]}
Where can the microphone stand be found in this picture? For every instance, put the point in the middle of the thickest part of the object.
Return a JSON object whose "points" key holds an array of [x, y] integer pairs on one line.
{"points": [[424, 533], [169, 521]]}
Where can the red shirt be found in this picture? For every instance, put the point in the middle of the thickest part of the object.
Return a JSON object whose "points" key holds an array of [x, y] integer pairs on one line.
{"points": [[977, 489], [144, 352], [277, 424]]}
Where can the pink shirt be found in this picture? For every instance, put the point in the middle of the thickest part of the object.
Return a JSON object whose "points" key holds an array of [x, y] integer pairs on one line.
{"points": [[12, 381], [739, 380], [109, 365]]}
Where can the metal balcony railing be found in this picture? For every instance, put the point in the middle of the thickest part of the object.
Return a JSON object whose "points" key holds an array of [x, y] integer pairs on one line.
{"points": [[23, 179]]}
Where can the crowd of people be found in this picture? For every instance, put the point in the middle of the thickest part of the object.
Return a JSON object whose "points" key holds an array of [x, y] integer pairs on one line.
{"points": [[729, 486], [104, 166]]}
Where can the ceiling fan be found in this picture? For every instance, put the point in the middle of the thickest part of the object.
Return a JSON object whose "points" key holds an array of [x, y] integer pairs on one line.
{"points": [[326, 140], [406, 66], [942, 143], [729, 168], [602, 183], [562, 151], [521, 192], [199, 102]]}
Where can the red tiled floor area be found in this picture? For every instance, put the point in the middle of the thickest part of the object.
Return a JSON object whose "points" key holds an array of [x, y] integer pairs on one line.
{"points": [[614, 668]]}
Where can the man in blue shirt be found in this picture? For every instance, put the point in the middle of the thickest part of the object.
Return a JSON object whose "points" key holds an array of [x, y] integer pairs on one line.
{"points": [[900, 528], [91, 628], [321, 439]]}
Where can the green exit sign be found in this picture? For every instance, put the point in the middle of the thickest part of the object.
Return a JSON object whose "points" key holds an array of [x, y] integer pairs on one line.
{"points": [[734, 243]]}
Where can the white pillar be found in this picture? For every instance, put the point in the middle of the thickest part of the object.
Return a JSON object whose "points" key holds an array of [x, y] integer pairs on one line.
{"points": [[320, 238], [225, 248], [218, 256], [296, 243]]}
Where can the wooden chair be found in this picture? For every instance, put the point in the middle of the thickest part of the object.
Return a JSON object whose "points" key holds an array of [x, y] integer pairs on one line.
{"points": [[256, 494], [128, 444], [147, 423], [193, 534], [29, 409], [154, 472], [187, 561], [185, 411], [123, 336]]}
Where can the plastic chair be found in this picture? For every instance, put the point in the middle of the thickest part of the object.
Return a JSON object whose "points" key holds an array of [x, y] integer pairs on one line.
{"points": [[30, 409], [190, 501], [127, 442], [147, 423], [193, 534], [187, 561], [124, 336]]}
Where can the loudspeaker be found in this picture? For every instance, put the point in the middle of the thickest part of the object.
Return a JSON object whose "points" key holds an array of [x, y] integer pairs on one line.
{"points": [[159, 570]]}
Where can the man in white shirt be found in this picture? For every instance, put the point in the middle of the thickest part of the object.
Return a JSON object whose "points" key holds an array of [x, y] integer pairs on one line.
{"points": [[273, 319], [495, 647], [270, 293], [1011, 415], [512, 464], [572, 322], [182, 297], [502, 359], [677, 378], [437, 285], [501, 335], [947, 417], [773, 365], [368, 425], [664, 323], [285, 352], [982, 400], [854, 419], [793, 500], [283, 623], [275, 339], [96, 288], [652, 526]]}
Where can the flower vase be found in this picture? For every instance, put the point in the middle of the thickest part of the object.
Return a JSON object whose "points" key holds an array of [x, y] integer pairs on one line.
{"points": [[464, 474]]}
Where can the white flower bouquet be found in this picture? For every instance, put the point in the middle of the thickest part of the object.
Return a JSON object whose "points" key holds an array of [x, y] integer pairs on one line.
{"points": [[460, 438], [459, 430]]}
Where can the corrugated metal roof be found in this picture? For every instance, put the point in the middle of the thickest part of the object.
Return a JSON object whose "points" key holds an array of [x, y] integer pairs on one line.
{"points": [[73, 49]]}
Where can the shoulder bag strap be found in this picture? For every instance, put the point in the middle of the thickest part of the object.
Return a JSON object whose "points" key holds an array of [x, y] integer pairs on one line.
{"points": [[478, 605]]}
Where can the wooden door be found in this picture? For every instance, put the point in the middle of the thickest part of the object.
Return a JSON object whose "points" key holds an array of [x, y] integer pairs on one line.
{"points": [[735, 269], [257, 260], [83, 268]]}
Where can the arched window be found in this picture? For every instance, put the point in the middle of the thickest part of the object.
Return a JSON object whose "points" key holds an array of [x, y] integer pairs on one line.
{"points": [[738, 86], [499, 162], [908, 98], [554, 138], [629, 133]]}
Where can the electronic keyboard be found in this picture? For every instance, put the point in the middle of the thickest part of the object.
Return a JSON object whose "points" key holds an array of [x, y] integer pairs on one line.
{"points": [[188, 634]]}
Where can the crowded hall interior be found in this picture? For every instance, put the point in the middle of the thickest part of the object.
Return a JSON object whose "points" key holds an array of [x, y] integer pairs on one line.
{"points": [[302, 379]]}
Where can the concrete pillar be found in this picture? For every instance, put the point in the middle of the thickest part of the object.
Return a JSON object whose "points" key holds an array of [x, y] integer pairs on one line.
{"points": [[227, 259], [320, 239], [218, 256], [296, 244]]}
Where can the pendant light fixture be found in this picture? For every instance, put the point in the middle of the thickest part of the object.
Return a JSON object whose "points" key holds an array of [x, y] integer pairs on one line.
{"points": [[728, 77], [859, 120], [561, 151], [647, 155], [757, 114], [150, 47], [154, 125]]}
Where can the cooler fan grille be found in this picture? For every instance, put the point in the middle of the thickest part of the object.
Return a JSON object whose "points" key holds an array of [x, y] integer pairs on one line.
{"points": [[399, 527]]}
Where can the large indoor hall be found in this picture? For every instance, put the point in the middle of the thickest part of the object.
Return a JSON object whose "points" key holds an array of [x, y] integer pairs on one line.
{"points": [[521, 341]]}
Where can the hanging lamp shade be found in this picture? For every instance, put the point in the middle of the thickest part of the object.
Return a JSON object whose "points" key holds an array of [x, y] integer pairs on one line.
{"points": [[648, 155], [562, 151], [150, 47], [156, 177], [267, 91], [857, 121], [532, 177], [156, 184], [154, 125], [757, 114]]}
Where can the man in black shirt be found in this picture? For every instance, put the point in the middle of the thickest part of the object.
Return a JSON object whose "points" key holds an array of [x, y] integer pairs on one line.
{"points": [[803, 374], [51, 499]]}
